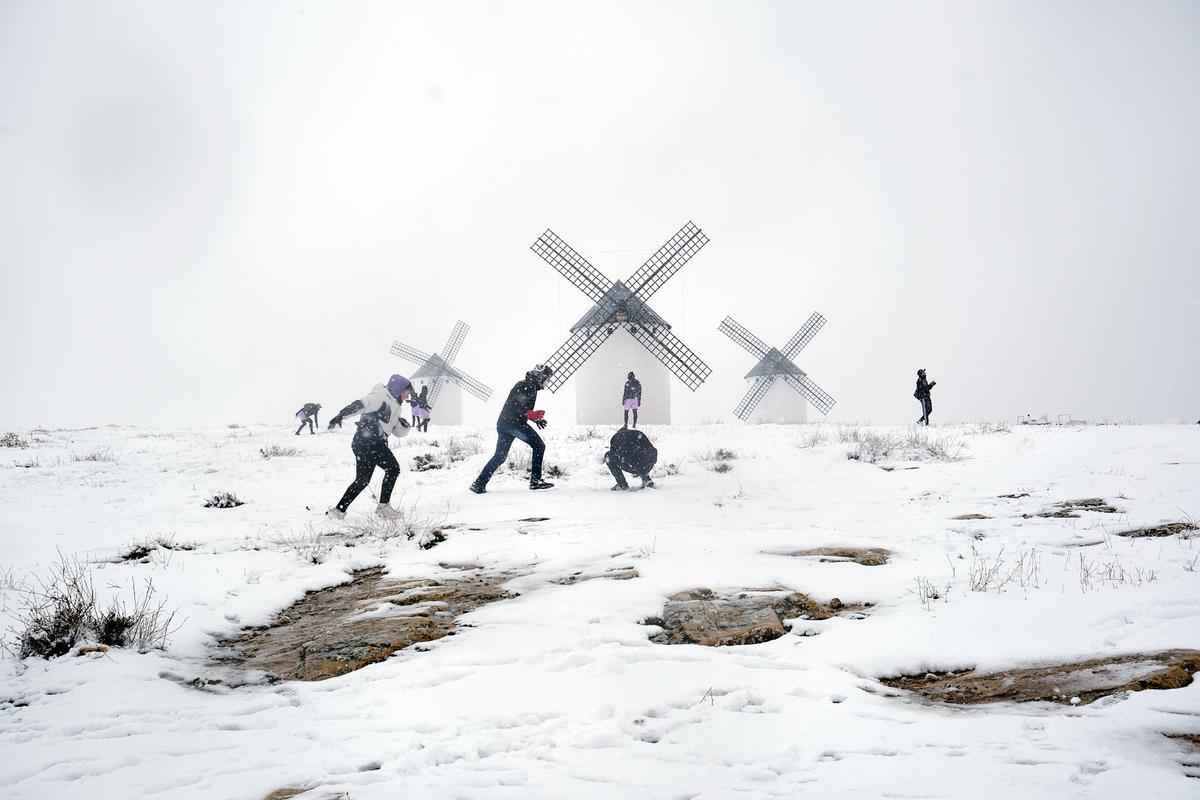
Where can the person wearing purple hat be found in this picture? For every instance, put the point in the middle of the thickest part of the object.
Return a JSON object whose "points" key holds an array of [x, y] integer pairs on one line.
{"points": [[380, 413]]}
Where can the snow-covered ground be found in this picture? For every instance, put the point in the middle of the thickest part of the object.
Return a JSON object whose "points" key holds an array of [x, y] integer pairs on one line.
{"points": [[558, 692]]}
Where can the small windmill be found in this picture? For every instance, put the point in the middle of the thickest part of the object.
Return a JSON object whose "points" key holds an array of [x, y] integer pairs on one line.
{"points": [[437, 372], [774, 371], [623, 305]]}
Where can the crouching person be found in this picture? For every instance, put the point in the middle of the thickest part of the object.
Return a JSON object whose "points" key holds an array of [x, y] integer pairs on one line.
{"points": [[630, 451], [381, 413]]}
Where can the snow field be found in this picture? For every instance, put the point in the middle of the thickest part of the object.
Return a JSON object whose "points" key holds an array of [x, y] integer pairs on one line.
{"points": [[559, 691]]}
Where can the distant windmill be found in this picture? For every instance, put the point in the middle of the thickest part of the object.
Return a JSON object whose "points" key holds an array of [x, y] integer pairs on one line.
{"points": [[623, 305], [774, 372], [437, 372]]}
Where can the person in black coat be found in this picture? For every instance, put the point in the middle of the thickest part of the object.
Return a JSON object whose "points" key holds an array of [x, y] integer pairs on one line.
{"points": [[513, 423], [630, 451], [631, 398], [924, 387], [307, 416]]}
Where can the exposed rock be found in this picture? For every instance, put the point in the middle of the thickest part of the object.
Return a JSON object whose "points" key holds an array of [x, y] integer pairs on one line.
{"points": [[1068, 509], [1074, 683], [346, 627], [1016, 496], [1167, 529], [867, 556], [533, 519], [972, 516], [699, 616], [614, 574]]}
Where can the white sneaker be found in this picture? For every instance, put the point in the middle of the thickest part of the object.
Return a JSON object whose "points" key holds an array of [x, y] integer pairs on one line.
{"points": [[386, 511], [335, 514]]}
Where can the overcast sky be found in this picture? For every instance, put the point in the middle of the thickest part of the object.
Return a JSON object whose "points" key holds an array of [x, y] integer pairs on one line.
{"points": [[213, 212]]}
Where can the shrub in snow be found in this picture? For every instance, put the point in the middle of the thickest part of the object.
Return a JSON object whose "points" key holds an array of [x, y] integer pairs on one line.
{"points": [[555, 471], [62, 611], [13, 440], [423, 462], [459, 448], [223, 500], [103, 454], [716, 460], [310, 546], [142, 548], [272, 450], [409, 523]]}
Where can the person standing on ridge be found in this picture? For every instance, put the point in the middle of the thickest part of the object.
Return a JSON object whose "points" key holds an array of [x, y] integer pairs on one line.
{"points": [[420, 410], [307, 416], [631, 398], [381, 413], [513, 423], [924, 387], [630, 451]]}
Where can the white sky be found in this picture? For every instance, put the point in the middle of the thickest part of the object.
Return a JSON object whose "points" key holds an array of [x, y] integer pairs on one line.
{"points": [[215, 211]]}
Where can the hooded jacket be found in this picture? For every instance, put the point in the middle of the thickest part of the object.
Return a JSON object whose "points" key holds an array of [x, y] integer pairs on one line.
{"points": [[521, 400], [630, 450], [381, 414], [633, 388]]}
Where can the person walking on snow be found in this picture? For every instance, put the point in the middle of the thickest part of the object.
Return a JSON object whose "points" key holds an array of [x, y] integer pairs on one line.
{"points": [[513, 423], [631, 398], [307, 416], [924, 387], [381, 412], [630, 451]]}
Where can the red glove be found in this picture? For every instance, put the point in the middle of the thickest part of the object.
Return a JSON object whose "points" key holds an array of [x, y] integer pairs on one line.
{"points": [[534, 416]]}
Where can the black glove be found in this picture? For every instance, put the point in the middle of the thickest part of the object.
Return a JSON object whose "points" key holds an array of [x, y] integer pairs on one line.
{"points": [[336, 422], [541, 423], [404, 423]]}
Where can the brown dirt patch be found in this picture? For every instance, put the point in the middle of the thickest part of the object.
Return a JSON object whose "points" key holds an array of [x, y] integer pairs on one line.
{"points": [[346, 627], [972, 516], [866, 556], [700, 616], [1168, 529], [1060, 683]]}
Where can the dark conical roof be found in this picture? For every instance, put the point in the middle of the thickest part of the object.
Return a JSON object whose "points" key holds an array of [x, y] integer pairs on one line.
{"points": [[616, 300], [774, 363], [432, 368]]}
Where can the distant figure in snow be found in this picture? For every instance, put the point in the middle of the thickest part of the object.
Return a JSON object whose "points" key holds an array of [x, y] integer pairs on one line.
{"points": [[924, 387], [381, 412], [630, 451], [420, 410], [631, 398], [513, 423], [307, 416]]}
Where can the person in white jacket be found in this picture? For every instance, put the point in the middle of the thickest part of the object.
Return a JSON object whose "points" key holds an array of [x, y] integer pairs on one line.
{"points": [[380, 413]]}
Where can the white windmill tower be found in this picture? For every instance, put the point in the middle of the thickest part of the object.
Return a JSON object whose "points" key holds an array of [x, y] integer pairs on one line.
{"points": [[443, 379], [622, 334], [779, 389]]}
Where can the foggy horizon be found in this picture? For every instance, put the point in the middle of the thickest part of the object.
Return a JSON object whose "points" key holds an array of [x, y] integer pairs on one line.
{"points": [[215, 213]]}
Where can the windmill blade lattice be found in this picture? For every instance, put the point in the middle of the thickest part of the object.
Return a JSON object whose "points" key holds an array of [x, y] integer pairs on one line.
{"points": [[674, 354], [742, 336], [437, 371], [572, 266], [775, 365], [804, 335], [669, 259], [623, 305], [756, 392]]}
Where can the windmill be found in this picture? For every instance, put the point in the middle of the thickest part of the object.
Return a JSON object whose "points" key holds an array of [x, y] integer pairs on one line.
{"points": [[437, 372], [622, 305], [775, 371]]}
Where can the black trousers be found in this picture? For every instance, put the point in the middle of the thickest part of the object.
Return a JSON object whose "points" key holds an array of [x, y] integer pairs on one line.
{"points": [[309, 422], [619, 474], [370, 453], [926, 409], [634, 418]]}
